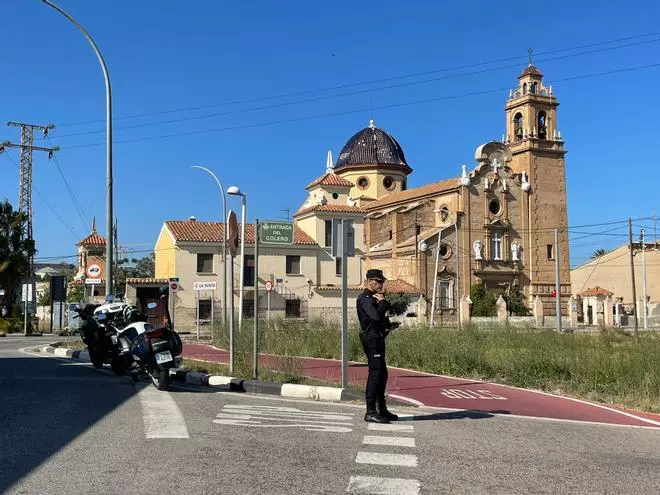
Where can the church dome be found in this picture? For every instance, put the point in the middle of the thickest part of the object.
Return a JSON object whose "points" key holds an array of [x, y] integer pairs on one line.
{"points": [[372, 146]]}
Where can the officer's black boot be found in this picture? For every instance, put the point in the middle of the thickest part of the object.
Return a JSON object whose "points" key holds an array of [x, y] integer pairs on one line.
{"points": [[372, 415], [384, 413]]}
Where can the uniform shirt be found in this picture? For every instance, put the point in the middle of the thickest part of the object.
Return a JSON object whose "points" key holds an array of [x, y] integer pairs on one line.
{"points": [[371, 314]]}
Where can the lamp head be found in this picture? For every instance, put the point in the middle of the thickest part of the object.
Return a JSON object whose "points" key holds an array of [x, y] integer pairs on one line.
{"points": [[234, 190]]}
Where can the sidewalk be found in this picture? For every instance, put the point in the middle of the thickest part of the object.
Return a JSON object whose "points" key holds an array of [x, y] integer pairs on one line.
{"points": [[424, 389]]}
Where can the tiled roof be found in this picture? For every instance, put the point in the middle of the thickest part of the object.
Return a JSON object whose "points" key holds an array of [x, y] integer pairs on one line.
{"points": [[372, 146], [93, 239], [531, 69], [331, 179], [596, 291], [418, 192], [332, 208], [147, 281], [395, 286], [196, 231]]}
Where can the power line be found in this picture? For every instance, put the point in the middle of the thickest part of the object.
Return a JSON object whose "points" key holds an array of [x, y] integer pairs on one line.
{"points": [[84, 220], [341, 95], [376, 81], [44, 199], [347, 112]]}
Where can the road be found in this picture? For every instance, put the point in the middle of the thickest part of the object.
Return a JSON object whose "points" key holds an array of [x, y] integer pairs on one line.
{"points": [[67, 428]]}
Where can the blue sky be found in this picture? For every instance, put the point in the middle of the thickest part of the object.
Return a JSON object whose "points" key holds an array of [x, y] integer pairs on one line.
{"points": [[166, 56]]}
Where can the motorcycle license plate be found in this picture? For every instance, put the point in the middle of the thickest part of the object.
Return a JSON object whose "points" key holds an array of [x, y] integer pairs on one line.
{"points": [[164, 357]]}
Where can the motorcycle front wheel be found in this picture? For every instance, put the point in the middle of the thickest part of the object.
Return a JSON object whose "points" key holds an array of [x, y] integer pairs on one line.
{"points": [[96, 358], [161, 378], [118, 366]]}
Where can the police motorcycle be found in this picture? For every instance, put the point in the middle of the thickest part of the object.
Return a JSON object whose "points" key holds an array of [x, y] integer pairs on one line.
{"points": [[149, 350], [101, 339]]}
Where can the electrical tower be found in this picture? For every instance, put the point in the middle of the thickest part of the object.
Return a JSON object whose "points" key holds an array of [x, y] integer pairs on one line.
{"points": [[25, 173]]}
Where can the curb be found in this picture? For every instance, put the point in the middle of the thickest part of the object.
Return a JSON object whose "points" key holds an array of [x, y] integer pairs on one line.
{"points": [[233, 384]]}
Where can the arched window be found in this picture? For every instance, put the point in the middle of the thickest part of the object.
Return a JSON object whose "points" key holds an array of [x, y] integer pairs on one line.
{"points": [[518, 126], [541, 125], [534, 87], [525, 88]]}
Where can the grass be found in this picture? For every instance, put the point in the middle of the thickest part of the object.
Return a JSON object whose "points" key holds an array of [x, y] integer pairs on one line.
{"points": [[606, 366]]}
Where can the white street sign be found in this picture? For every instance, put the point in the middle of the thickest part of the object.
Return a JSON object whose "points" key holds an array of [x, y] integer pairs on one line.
{"points": [[205, 285], [27, 293], [269, 285], [93, 281]]}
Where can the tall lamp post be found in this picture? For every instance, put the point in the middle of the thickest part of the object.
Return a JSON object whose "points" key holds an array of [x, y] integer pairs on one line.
{"points": [[108, 111], [235, 191], [224, 243]]}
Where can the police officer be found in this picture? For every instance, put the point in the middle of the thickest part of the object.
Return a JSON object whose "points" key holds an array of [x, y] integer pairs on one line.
{"points": [[374, 327]]}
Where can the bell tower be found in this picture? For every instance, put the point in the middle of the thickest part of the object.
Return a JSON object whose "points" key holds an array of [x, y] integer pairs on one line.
{"points": [[537, 150]]}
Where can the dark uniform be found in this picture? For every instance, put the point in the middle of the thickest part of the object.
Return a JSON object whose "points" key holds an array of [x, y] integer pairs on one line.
{"points": [[374, 328]]}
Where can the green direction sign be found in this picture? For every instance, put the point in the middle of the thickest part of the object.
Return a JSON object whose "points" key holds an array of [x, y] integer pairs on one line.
{"points": [[276, 232]]}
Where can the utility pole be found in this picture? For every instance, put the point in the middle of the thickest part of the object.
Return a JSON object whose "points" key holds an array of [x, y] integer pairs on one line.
{"points": [[255, 341], [646, 312], [115, 236], [632, 275], [25, 174], [557, 282]]}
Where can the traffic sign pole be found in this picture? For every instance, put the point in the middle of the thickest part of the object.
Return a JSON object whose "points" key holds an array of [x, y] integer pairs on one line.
{"points": [[255, 343]]}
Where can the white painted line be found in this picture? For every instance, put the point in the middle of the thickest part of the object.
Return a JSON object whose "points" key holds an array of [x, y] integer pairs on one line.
{"points": [[391, 441], [383, 486], [161, 416], [407, 399], [256, 417], [386, 459], [389, 427]]}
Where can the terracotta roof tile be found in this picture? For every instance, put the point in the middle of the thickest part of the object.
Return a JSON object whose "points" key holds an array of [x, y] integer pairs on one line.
{"points": [[92, 239], [196, 231], [147, 281], [331, 179], [416, 193], [332, 208], [596, 291]]}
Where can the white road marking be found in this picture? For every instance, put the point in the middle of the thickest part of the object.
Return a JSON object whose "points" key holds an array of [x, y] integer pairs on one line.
{"points": [[308, 426], [391, 441], [407, 399], [273, 416], [161, 416], [389, 427], [455, 393], [256, 417], [383, 486], [386, 459]]}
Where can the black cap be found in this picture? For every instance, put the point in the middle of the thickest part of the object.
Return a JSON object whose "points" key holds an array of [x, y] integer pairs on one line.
{"points": [[374, 274]]}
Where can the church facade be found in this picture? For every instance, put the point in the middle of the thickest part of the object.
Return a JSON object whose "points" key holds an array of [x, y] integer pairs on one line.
{"points": [[492, 225]]}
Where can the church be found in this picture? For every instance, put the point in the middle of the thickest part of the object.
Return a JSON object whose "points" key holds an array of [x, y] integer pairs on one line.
{"points": [[493, 224]]}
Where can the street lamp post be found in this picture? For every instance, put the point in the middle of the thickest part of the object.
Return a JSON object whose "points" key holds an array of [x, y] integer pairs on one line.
{"points": [[224, 242], [235, 191], [108, 95]]}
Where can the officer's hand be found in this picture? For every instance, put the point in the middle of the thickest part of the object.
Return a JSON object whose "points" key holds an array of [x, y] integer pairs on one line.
{"points": [[379, 297]]}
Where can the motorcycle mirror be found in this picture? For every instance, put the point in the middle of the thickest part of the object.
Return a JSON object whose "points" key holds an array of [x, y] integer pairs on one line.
{"points": [[152, 305], [109, 298]]}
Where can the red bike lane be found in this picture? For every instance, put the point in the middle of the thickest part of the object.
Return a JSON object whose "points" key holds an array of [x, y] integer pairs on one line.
{"points": [[425, 389]]}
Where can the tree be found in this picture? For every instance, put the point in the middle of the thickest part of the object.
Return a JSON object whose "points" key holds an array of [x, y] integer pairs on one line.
{"points": [[515, 303], [145, 267], [598, 253], [399, 302], [483, 301], [44, 298], [15, 250], [76, 293]]}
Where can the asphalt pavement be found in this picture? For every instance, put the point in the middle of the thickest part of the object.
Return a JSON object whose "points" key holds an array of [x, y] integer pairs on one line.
{"points": [[67, 428]]}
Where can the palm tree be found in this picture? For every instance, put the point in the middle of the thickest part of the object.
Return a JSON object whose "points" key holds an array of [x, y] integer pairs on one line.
{"points": [[598, 253], [15, 251]]}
